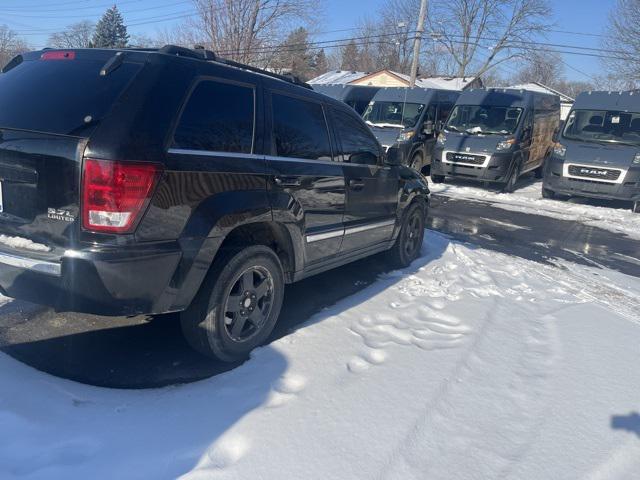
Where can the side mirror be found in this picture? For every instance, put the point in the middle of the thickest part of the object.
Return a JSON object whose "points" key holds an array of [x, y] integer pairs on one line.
{"points": [[439, 126], [556, 132], [428, 127], [392, 157]]}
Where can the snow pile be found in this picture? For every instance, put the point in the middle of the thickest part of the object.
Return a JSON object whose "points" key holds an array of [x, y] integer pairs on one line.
{"points": [[467, 365], [528, 199], [23, 244]]}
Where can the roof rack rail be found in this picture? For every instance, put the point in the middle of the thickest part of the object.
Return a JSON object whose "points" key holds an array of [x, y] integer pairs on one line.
{"points": [[200, 53]]}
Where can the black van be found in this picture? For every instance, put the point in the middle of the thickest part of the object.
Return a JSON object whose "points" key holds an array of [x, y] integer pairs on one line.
{"points": [[496, 135], [598, 151], [172, 180], [356, 96], [406, 120]]}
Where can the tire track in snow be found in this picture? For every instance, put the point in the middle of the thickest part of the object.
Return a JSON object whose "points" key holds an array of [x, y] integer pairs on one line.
{"points": [[501, 381]]}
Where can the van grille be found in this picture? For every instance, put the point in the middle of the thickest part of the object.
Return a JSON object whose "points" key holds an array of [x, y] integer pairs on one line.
{"points": [[465, 158], [596, 173]]}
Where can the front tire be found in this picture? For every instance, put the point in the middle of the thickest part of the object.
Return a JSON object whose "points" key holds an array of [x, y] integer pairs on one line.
{"points": [[409, 241], [512, 181], [238, 304], [416, 162]]}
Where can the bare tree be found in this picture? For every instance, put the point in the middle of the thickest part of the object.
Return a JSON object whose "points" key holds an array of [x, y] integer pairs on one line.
{"points": [[77, 35], [542, 67], [10, 45], [248, 31], [499, 28], [624, 39]]}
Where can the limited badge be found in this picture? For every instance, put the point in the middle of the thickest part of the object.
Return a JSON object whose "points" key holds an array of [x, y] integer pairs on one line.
{"points": [[60, 214]]}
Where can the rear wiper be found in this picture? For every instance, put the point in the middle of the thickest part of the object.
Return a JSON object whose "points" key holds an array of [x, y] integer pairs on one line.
{"points": [[14, 62], [113, 63]]}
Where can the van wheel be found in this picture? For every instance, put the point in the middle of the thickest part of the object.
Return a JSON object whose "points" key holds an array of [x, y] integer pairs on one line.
{"points": [[512, 181], [636, 207], [409, 241], [539, 172], [416, 162], [238, 304], [437, 178], [550, 194]]}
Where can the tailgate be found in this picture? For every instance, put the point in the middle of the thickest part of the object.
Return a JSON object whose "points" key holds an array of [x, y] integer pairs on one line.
{"points": [[39, 183]]}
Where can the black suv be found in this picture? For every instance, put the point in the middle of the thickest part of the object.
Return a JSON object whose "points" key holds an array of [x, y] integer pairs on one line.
{"points": [[170, 180]]}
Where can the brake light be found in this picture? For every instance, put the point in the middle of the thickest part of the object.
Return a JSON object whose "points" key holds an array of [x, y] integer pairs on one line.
{"points": [[58, 55], [114, 194]]}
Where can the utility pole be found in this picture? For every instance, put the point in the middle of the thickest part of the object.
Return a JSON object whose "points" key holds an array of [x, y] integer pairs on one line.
{"points": [[416, 42]]}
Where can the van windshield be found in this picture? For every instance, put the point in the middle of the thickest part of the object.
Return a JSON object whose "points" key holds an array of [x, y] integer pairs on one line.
{"points": [[484, 119], [67, 97], [608, 126], [393, 114]]}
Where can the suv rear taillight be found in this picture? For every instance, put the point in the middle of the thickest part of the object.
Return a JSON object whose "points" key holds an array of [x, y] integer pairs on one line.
{"points": [[114, 194]]}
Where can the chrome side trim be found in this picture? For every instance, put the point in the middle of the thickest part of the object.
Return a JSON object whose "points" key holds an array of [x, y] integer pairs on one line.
{"points": [[276, 158], [208, 153], [620, 180], [487, 159], [324, 236], [40, 266], [371, 226]]}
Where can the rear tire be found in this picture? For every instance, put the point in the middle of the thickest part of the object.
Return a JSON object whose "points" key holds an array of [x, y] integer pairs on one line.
{"points": [[539, 172], [437, 178], [238, 304], [409, 241]]}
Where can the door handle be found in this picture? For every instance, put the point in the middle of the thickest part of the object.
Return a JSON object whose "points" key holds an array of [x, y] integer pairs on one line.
{"points": [[287, 181], [356, 184]]}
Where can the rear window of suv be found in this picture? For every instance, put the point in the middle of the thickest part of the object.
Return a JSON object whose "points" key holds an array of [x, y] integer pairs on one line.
{"points": [[67, 97], [218, 117]]}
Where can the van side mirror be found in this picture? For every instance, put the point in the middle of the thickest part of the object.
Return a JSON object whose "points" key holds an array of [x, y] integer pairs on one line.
{"points": [[428, 127], [365, 158], [392, 157], [556, 132], [439, 125]]}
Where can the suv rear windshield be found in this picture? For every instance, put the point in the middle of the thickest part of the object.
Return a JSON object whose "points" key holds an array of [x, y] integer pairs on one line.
{"points": [[609, 126], [61, 96]]}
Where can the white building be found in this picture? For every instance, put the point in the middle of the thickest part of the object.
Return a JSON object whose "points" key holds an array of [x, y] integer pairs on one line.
{"points": [[566, 102]]}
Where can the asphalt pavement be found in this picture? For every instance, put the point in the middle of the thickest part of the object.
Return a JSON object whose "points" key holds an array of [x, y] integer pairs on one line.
{"points": [[146, 352]]}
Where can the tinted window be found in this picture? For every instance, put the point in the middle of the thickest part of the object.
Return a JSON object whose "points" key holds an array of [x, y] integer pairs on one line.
{"points": [[300, 129], [61, 96], [217, 117], [393, 114], [357, 145]]}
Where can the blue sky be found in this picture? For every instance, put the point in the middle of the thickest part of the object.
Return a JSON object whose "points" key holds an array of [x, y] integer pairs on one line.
{"points": [[35, 19]]}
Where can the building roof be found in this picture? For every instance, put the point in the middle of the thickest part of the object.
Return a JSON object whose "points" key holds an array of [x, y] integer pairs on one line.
{"points": [[539, 87], [337, 77], [343, 77]]}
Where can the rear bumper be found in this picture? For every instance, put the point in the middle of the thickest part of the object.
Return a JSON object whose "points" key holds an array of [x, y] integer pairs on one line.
{"points": [[496, 170], [126, 281], [628, 190]]}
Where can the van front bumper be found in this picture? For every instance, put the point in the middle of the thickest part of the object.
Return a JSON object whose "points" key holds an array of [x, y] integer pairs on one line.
{"points": [[554, 180], [496, 170], [122, 281]]}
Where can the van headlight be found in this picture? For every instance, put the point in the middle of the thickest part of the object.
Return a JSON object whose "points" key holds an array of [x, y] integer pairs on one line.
{"points": [[506, 144], [406, 135], [442, 139], [636, 159], [559, 150]]}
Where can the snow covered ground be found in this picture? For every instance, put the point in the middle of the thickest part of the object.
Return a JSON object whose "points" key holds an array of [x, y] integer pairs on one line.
{"points": [[467, 365], [528, 199]]}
